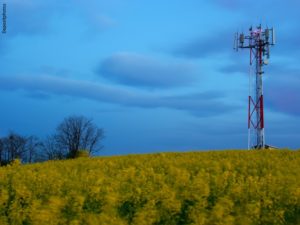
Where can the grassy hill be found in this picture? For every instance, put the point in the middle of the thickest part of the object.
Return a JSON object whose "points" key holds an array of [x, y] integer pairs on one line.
{"points": [[225, 187]]}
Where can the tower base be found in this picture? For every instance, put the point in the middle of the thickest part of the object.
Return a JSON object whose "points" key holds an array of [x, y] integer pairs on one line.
{"points": [[264, 147]]}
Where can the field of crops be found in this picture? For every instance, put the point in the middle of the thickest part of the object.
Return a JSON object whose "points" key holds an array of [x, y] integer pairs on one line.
{"points": [[224, 187]]}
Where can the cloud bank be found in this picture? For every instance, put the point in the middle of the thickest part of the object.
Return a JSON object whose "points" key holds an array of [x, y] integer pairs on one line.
{"points": [[199, 104], [140, 70]]}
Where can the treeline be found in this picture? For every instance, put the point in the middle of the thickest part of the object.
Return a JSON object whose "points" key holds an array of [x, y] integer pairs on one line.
{"points": [[72, 136]]}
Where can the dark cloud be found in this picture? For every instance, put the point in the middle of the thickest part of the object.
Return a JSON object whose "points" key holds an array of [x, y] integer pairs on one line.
{"points": [[221, 42], [282, 93], [239, 64], [38, 95], [282, 15], [35, 17], [234, 68], [51, 70], [93, 13], [281, 86], [203, 104], [3, 45], [139, 70], [30, 17], [287, 42], [230, 4], [62, 86], [200, 104], [266, 8], [218, 42]]}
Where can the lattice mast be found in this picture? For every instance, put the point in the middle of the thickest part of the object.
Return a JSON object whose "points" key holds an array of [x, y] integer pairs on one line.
{"points": [[258, 41]]}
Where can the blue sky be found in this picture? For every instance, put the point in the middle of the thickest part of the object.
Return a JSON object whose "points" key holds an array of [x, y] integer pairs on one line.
{"points": [[155, 75]]}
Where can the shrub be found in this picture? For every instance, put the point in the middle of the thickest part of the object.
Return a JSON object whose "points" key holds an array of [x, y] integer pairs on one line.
{"points": [[82, 154]]}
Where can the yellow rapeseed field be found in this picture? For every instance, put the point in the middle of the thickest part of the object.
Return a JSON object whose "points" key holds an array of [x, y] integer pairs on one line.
{"points": [[223, 187]]}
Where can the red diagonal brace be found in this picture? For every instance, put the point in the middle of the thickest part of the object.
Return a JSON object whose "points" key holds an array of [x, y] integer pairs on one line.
{"points": [[257, 106]]}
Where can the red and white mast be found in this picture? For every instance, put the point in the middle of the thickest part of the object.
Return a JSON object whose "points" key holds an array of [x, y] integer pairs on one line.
{"points": [[258, 41]]}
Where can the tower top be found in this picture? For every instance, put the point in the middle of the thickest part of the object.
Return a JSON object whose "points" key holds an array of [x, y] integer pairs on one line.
{"points": [[256, 38]]}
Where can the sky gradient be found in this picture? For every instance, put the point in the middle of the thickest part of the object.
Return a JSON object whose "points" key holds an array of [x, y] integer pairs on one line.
{"points": [[155, 75]]}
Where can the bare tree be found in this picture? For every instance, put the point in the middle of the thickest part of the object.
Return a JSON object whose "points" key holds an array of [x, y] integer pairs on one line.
{"points": [[78, 133], [14, 146], [52, 150], [33, 147], [1, 150]]}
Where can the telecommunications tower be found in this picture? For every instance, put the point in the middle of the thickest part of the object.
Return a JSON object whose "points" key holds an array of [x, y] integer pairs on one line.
{"points": [[258, 41]]}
